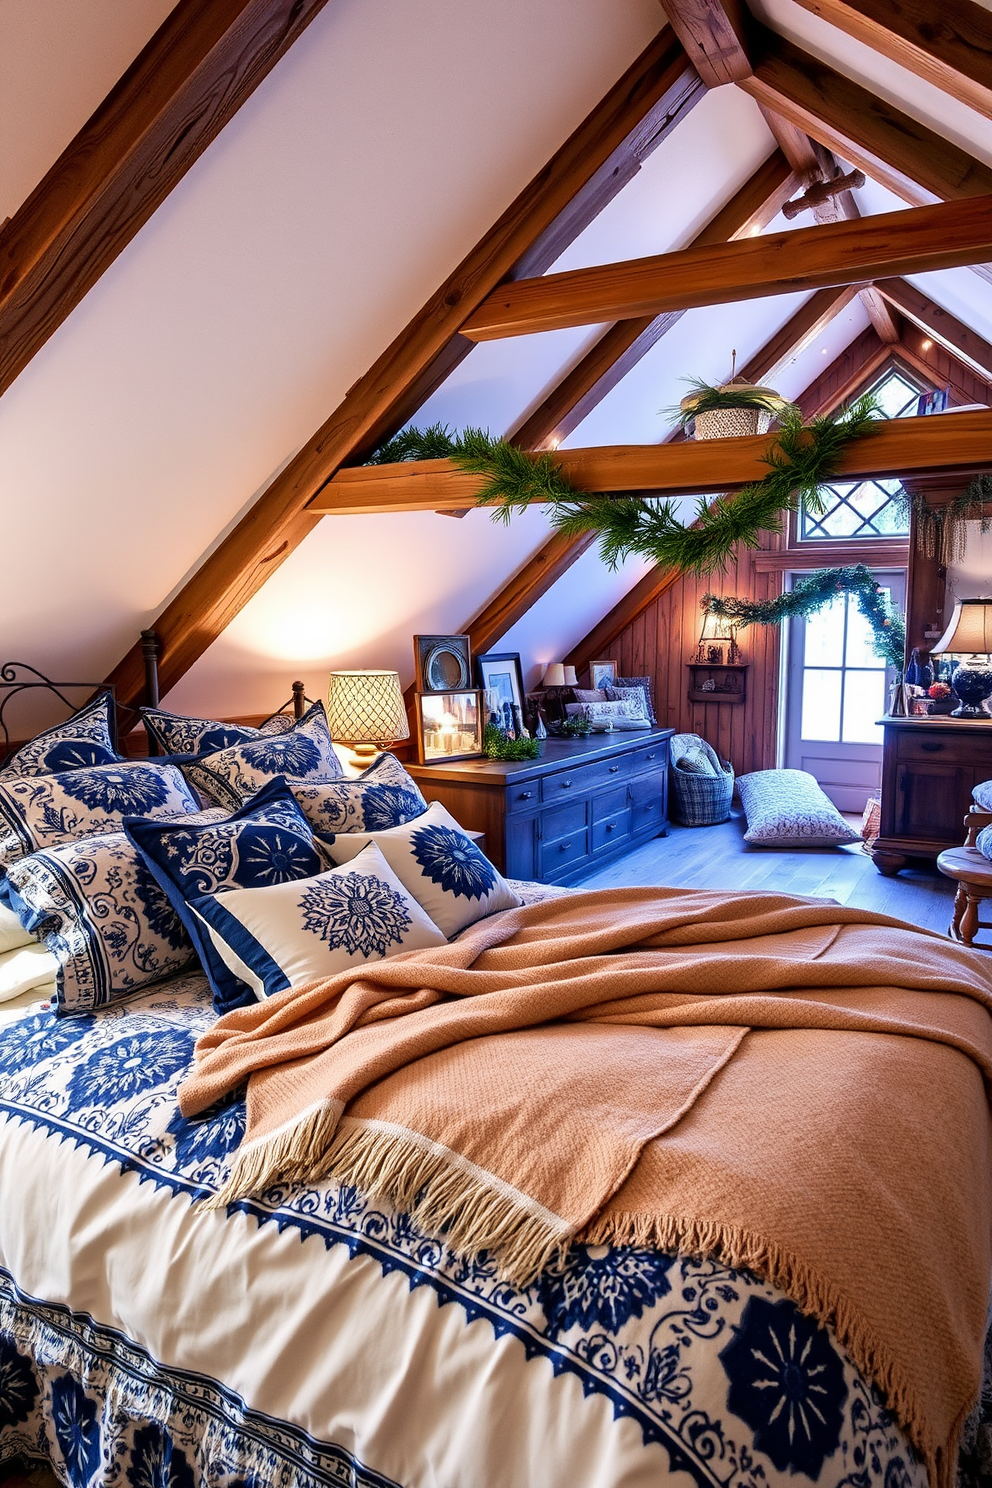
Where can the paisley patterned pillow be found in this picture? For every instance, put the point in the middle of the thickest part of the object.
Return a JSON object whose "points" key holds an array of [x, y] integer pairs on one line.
{"points": [[383, 796], [104, 918], [259, 941], [38, 811], [303, 754], [266, 842], [80, 742], [176, 734], [442, 868], [787, 808]]}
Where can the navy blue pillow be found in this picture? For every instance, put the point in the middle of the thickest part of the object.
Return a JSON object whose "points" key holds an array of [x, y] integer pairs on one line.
{"points": [[79, 743], [267, 841]]}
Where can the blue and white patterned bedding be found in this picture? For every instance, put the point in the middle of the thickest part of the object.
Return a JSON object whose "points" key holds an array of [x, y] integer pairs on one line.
{"points": [[315, 1339]]}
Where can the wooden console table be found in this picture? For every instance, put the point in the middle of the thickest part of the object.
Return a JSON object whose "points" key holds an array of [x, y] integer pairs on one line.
{"points": [[581, 804], [929, 767]]}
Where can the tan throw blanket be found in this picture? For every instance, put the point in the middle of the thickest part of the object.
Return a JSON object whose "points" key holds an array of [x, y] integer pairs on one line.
{"points": [[584, 1067]]}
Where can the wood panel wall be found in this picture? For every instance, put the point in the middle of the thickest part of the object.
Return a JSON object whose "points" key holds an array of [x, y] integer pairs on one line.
{"points": [[662, 639]]}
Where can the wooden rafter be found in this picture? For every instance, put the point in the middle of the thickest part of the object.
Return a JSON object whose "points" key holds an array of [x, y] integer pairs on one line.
{"points": [[715, 34], [939, 323], [949, 45], [205, 60], [944, 441], [623, 345], [943, 236], [605, 151]]}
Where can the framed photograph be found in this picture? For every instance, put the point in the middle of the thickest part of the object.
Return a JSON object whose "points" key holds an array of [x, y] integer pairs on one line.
{"points": [[602, 673], [502, 684], [443, 663], [449, 725]]}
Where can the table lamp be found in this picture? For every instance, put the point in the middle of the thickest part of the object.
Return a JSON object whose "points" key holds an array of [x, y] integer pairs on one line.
{"points": [[365, 710], [970, 635]]}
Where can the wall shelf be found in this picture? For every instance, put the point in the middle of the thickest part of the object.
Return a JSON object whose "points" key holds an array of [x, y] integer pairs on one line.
{"points": [[730, 681]]}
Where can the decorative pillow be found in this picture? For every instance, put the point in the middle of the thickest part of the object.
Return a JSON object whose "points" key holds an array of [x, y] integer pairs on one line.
{"points": [[982, 795], [786, 808], [442, 868], [621, 714], [303, 755], [12, 933], [265, 842], [695, 763], [105, 920], [383, 796], [589, 694], [984, 842], [260, 941], [636, 696], [40, 811], [80, 742], [175, 734], [645, 683]]}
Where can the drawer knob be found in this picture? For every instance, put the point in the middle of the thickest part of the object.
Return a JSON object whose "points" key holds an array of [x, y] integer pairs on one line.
{"points": [[610, 826], [651, 755], [564, 846], [614, 769], [931, 746], [526, 795], [566, 785]]}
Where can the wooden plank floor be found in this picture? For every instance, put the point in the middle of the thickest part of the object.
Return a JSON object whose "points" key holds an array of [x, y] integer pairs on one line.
{"points": [[719, 858]]}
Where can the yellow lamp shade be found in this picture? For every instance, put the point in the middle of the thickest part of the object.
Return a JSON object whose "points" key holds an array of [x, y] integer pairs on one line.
{"points": [[366, 707], [970, 630]]}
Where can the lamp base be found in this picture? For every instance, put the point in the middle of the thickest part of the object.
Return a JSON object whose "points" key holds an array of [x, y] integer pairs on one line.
{"points": [[972, 681]]}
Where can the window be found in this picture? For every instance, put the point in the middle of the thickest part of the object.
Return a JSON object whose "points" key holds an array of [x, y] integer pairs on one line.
{"points": [[868, 508]]}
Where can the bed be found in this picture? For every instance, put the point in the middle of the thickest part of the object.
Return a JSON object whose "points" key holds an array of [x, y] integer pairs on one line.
{"points": [[310, 1336]]}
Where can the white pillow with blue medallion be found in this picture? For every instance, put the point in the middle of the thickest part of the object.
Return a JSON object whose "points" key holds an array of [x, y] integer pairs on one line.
{"points": [[80, 742], [174, 733], [382, 796], [40, 811], [106, 921], [266, 842], [271, 939], [787, 808], [303, 755], [442, 868]]}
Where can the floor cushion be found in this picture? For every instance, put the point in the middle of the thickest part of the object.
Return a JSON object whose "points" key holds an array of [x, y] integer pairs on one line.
{"points": [[787, 808]]}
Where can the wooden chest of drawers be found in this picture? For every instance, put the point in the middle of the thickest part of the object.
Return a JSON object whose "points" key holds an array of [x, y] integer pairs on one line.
{"points": [[928, 770], [559, 817]]}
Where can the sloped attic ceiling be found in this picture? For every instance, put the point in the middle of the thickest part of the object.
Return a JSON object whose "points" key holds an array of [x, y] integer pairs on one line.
{"points": [[378, 151]]}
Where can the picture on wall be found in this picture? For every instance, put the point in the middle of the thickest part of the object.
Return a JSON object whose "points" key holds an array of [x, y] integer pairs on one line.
{"points": [[449, 725], [502, 684], [602, 674]]}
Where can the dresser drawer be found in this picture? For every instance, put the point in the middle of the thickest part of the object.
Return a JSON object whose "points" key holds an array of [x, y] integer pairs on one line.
{"points": [[585, 779], [563, 821], [523, 797], [556, 856], [916, 746], [610, 830], [608, 802], [652, 757]]}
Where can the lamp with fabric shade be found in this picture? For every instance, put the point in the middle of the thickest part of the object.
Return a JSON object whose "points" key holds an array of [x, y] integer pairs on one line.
{"points": [[718, 628], [970, 634], [365, 710], [554, 675]]}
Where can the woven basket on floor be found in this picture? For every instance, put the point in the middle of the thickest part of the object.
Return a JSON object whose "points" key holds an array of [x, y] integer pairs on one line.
{"points": [[699, 800]]}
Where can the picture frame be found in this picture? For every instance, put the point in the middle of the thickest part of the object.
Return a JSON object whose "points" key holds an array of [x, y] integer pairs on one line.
{"points": [[443, 663], [602, 673], [449, 725], [501, 679]]}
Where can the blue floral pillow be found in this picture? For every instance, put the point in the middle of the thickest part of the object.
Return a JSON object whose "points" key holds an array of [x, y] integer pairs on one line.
{"points": [[442, 868], [984, 842], [257, 942], [40, 811], [383, 796], [176, 734], [268, 841], [81, 741], [104, 918], [303, 754]]}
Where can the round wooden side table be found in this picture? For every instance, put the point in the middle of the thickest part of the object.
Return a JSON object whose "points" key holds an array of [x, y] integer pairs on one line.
{"points": [[973, 873]]}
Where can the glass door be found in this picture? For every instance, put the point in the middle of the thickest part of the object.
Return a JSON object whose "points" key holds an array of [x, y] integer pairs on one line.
{"points": [[836, 690]]}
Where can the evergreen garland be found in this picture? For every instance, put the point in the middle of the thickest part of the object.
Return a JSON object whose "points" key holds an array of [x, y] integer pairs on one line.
{"points": [[812, 594], [803, 458]]}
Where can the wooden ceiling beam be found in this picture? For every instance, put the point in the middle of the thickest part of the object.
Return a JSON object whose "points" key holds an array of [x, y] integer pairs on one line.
{"points": [[715, 34], [623, 345], [203, 62], [799, 150], [658, 90], [893, 243], [799, 330], [887, 325], [885, 143], [695, 467], [935, 321], [949, 45]]}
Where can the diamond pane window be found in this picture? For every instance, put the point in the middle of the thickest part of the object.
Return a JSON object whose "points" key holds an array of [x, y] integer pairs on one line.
{"points": [[869, 508]]}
